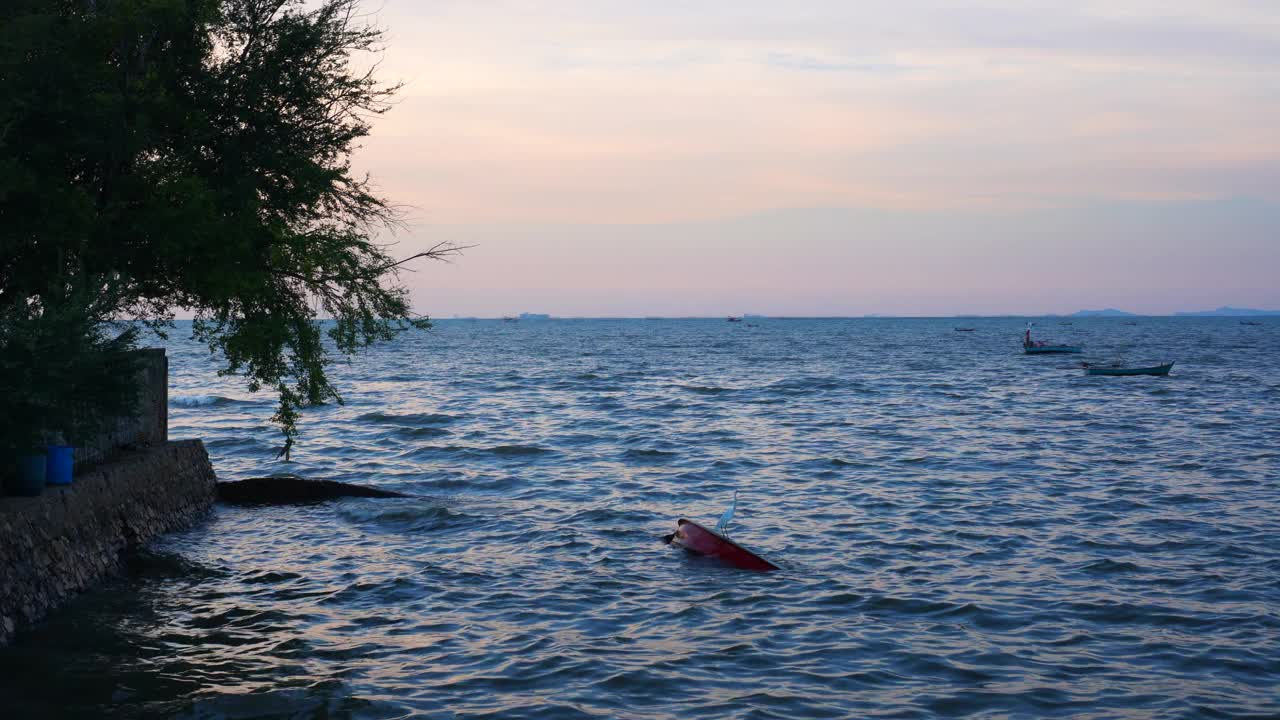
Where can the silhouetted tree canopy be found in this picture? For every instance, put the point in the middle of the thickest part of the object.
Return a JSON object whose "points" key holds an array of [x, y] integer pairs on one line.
{"points": [[195, 155]]}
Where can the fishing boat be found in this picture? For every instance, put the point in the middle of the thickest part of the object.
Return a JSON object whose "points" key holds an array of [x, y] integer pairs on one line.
{"points": [[1051, 349], [732, 318], [1120, 369], [1036, 347], [701, 541], [960, 329]]}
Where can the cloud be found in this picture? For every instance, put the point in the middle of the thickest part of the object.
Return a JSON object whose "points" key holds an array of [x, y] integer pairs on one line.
{"points": [[651, 112]]}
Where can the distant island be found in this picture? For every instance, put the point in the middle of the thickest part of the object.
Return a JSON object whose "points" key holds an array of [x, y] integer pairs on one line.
{"points": [[1109, 312], [1227, 312], [1224, 311]]}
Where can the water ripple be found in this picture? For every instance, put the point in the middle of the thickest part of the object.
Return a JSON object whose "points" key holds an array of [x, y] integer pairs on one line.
{"points": [[964, 531]]}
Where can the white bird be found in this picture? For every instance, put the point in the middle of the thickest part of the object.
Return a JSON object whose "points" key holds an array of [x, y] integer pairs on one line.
{"points": [[728, 515]]}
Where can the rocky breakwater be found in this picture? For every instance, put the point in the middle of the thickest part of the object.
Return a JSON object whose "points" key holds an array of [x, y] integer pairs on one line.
{"points": [[67, 539]]}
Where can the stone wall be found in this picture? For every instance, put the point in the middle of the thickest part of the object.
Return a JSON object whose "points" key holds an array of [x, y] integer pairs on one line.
{"points": [[65, 540], [149, 427]]}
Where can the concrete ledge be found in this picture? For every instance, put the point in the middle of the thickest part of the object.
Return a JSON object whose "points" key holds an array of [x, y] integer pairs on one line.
{"points": [[58, 544]]}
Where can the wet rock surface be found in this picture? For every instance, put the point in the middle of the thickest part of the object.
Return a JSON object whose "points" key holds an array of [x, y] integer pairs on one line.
{"points": [[288, 489]]}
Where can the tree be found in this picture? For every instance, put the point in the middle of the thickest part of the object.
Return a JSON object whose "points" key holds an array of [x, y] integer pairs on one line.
{"points": [[64, 377], [195, 154]]}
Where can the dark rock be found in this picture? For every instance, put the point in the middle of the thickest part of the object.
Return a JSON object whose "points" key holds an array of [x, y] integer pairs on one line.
{"points": [[281, 490]]}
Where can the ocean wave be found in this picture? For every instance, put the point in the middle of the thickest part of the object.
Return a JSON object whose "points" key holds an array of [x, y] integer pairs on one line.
{"points": [[519, 450], [469, 482], [706, 389], [239, 443], [415, 515], [420, 432], [407, 419], [841, 462], [195, 401], [1107, 566], [375, 593], [646, 454], [501, 450], [805, 385]]}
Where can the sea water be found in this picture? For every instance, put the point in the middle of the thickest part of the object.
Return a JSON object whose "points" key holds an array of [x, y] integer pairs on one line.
{"points": [[964, 530]]}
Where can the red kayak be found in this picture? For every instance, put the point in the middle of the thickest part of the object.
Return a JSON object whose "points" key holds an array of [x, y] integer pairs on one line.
{"points": [[697, 539]]}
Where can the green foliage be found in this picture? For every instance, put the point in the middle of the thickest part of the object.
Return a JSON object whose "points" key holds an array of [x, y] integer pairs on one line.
{"points": [[63, 377], [194, 154]]}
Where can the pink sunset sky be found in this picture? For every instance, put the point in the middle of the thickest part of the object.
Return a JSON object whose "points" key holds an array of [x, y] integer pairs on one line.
{"points": [[916, 157]]}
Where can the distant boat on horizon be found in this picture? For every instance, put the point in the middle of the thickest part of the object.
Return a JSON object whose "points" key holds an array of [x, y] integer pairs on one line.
{"points": [[732, 318]]}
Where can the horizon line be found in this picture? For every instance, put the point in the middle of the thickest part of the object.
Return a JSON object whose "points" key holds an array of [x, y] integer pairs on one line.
{"points": [[867, 316]]}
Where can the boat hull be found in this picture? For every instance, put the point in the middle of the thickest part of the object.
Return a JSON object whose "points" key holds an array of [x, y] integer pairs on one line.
{"points": [[1051, 349], [701, 541], [1120, 372]]}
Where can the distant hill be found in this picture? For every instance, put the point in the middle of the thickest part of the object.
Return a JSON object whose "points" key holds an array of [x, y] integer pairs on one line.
{"points": [[1109, 312], [1227, 312]]}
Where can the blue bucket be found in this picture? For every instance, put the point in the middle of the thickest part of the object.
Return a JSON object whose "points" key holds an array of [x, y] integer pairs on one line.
{"points": [[60, 464], [30, 479]]}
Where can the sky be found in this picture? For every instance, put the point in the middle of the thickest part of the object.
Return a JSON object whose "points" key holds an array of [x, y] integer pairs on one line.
{"points": [[913, 157]]}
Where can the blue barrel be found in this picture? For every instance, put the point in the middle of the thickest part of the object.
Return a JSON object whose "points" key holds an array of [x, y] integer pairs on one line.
{"points": [[60, 464], [30, 479]]}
